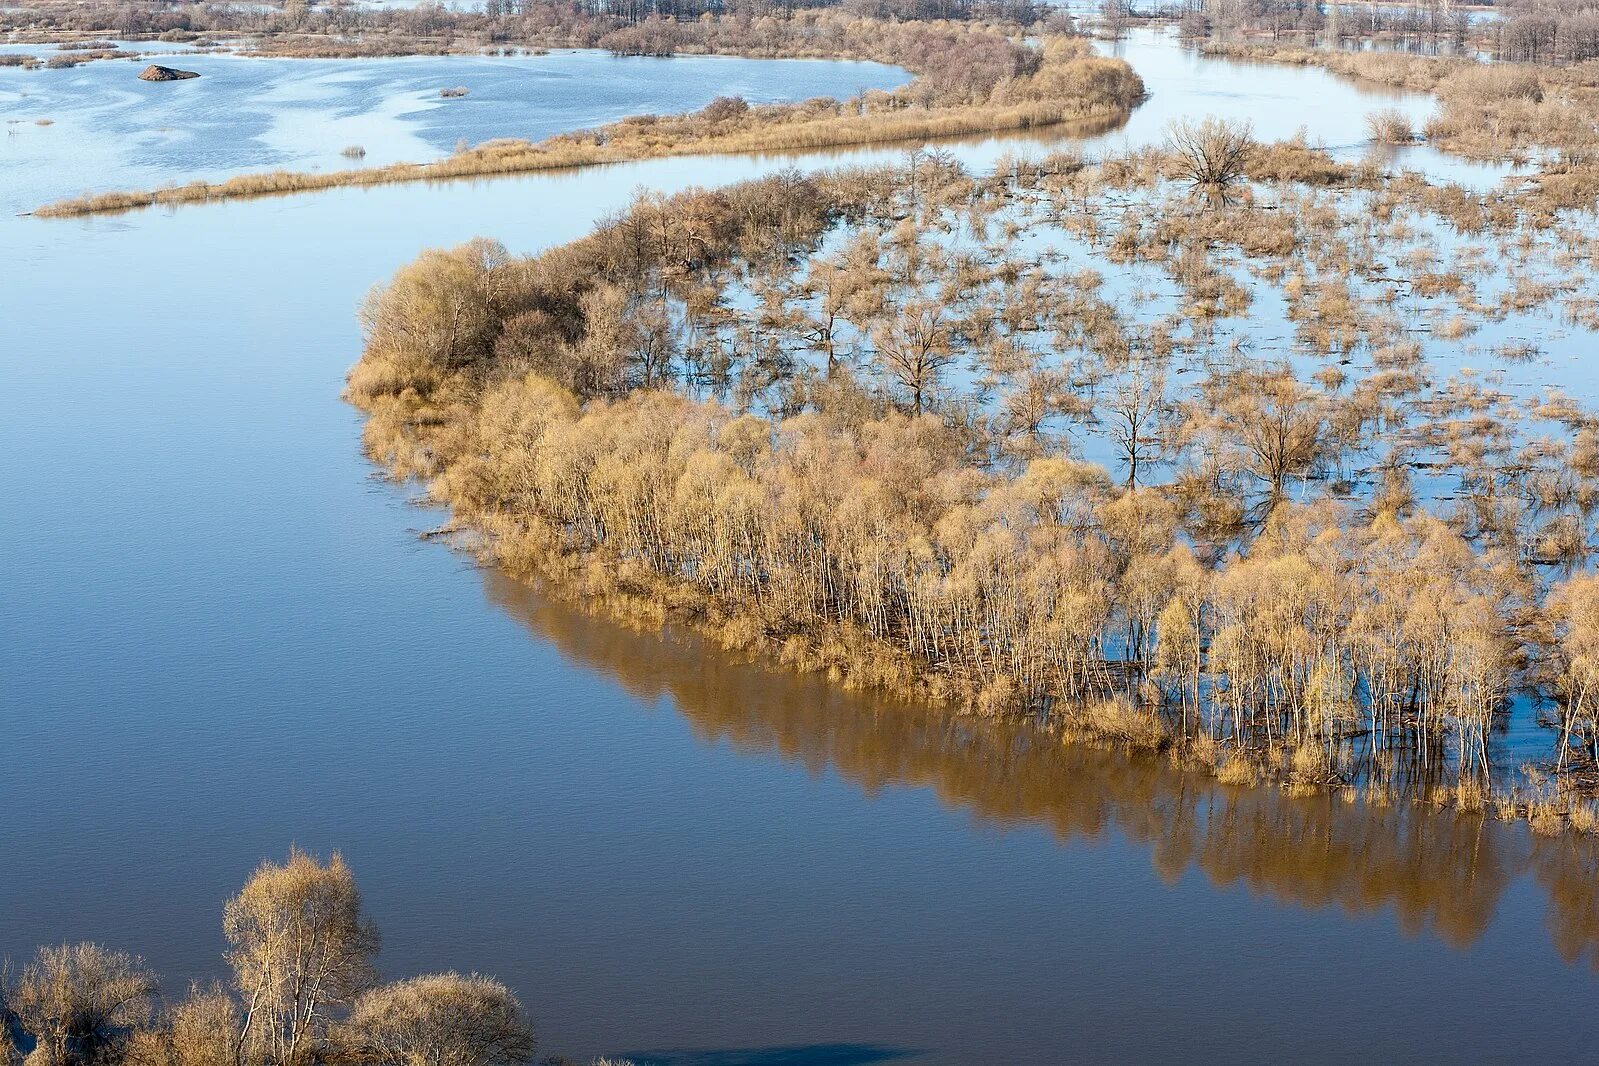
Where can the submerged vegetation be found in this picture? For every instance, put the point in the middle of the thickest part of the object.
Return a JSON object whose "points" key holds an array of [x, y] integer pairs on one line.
{"points": [[1514, 111], [1519, 31], [303, 991], [969, 79], [900, 426]]}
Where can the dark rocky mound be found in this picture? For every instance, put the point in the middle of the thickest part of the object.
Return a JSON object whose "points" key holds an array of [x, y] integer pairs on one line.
{"points": [[156, 72]]}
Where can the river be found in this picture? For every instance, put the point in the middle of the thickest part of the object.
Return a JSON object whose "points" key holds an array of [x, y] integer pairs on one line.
{"points": [[221, 635]]}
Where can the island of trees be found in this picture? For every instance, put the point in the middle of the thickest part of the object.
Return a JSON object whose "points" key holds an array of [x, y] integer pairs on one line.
{"points": [[1184, 449]]}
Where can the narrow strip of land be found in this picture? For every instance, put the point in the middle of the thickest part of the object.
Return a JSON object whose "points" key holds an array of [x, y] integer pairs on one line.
{"points": [[970, 80]]}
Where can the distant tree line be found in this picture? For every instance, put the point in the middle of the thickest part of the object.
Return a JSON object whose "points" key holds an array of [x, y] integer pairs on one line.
{"points": [[532, 21]]}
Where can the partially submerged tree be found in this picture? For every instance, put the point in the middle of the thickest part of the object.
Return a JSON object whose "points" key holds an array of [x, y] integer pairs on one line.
{"points": [[1212, 154], [1276, 423], [439, 315], [914, 349], [1134, 413], [1574, 605]]}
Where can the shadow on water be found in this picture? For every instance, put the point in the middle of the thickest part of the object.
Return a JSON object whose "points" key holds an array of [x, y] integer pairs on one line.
{"points": [[1440, 872], [805, 1055]]}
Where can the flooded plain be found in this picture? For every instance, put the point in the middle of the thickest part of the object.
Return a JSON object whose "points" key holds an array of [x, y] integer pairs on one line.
{"points": [[222, 636]]}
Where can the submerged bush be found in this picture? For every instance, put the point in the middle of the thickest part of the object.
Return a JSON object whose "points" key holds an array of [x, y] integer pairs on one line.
{"points": [[1389, 125]]}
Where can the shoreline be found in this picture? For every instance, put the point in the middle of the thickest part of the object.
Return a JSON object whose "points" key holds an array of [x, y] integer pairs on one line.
{"points": [[1074, 86]]}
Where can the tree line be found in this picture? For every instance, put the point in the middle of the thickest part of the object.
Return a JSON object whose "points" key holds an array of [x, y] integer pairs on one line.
{"points": [[1519, 31], [367, 29]]}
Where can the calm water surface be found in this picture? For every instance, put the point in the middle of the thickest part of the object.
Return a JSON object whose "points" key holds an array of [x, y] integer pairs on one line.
{"points": [[220, 635]]}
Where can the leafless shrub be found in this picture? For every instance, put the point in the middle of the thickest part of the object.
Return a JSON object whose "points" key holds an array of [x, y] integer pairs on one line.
{"points": [[1389, 125], [81, 1001], [1212, 155]]}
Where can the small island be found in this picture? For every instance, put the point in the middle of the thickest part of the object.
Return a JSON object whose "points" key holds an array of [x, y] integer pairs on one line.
{"points": [[157, 72]]}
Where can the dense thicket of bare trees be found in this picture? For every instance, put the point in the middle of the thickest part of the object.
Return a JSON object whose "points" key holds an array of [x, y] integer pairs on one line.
{"points": [[1547, 31], [841, 418], [79, 1002], [1519, 31], [304, 993]]}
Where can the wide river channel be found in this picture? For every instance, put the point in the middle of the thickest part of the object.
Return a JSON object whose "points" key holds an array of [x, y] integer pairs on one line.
{"points": [[220, 636]]}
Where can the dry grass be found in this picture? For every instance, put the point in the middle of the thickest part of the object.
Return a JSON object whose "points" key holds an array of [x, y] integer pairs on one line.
{"points": [[1120, 720], [1470, 795], [1544, 819], [1389, 125], [1239, 770]]}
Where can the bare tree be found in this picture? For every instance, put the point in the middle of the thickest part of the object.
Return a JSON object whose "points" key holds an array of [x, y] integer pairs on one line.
{"points": [[1134, 412], [1211, 154], [1574, 607], [300, 948], [914, 348], [439, 1020], [1279, 424], [80, 1001]]}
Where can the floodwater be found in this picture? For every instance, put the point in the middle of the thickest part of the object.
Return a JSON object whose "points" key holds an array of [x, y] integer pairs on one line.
{"points": [[221, 636], [108, 130]]}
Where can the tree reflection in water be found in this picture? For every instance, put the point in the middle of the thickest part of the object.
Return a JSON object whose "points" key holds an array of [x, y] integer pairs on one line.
{"points": [[1439, 871]]}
